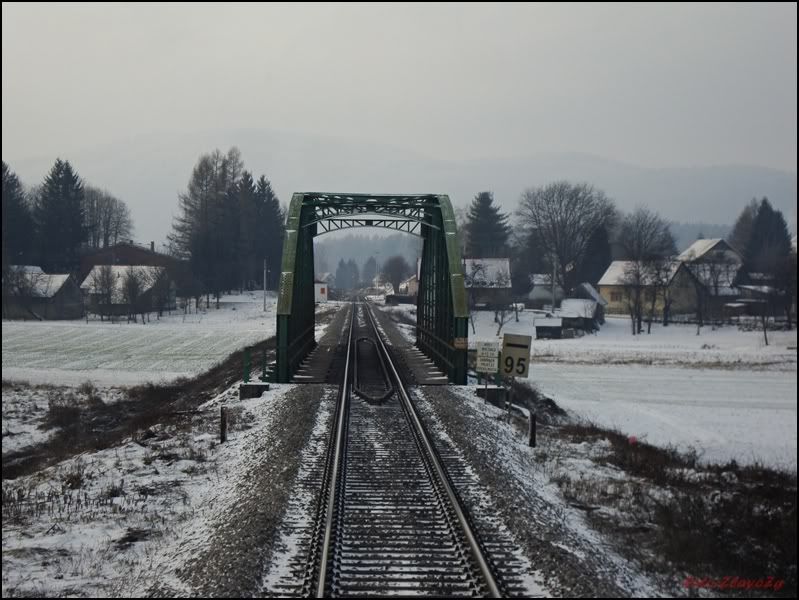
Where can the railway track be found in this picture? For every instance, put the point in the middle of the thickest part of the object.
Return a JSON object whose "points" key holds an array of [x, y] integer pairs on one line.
{"points": [[389, 521]]}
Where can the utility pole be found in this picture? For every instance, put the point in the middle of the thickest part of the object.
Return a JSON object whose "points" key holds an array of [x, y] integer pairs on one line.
{"points": [[554, 272]]}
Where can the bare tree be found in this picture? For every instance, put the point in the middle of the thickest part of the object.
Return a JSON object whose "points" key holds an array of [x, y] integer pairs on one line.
{"points": [[133, 286], [120, 223], [506, 309], [473, 277], [647, 243], [564, 216], [634, 281], [162, 291], [106, 218], [660, 272], [103, 283]]}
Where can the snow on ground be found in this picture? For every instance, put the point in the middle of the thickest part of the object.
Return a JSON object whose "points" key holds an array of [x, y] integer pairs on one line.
{"points": [[745, 415], [673, 345], [71, 352], [25, 410], [676, 344], [95, 524], [723, 393]]}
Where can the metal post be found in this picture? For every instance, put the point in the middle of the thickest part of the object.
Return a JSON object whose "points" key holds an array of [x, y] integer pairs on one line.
{"points": [[264, 285], [531, 429], [222, 424]]}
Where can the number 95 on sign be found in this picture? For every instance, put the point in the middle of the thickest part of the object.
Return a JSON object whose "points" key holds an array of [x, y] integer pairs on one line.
{"points": [[515, 355]]}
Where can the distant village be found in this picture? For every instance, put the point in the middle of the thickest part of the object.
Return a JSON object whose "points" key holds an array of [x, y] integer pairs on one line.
{"points": [[705, 282]]}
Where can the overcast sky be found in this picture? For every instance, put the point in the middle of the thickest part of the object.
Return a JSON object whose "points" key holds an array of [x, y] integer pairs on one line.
{"points": [[649, 85]]}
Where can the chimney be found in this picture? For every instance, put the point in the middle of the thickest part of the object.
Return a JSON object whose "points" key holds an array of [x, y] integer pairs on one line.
{"points": [[152, 246]]}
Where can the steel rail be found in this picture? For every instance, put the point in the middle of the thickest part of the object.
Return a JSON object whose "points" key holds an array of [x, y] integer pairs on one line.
{"points": [[341, 428], [474, 546]]}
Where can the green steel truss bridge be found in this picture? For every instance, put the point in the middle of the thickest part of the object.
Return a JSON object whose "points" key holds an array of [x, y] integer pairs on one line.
{"points": [[442, 314]]}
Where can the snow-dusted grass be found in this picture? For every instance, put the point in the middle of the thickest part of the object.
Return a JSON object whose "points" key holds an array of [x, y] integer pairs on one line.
{"points": [[70, 352], [97, 524], [26, 410]]}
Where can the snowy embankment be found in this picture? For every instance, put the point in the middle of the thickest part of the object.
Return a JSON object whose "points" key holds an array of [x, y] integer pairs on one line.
{"points": [[121, 353], [136, 517]]}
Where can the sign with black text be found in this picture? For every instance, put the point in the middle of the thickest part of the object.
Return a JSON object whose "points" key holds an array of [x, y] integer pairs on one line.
{"points": [[515, 355]]}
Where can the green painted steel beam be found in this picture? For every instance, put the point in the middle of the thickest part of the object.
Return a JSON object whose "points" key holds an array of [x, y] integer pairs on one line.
{"points": [[442, 313]]}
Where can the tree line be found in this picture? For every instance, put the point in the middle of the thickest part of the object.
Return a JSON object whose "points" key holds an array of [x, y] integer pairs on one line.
{"points": [[227, 225], [52, 224]]}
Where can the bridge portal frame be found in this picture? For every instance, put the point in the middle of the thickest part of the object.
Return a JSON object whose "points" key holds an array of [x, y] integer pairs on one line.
{"points": [[442, 313]]}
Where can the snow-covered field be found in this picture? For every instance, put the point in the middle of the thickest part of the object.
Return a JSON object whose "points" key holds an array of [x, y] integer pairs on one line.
{"points": [[723, 393], [673, 345], [71, 352], [723, 414]]}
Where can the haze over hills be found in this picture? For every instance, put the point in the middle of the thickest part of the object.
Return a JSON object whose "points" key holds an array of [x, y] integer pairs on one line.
{"points": [[149, 171]]}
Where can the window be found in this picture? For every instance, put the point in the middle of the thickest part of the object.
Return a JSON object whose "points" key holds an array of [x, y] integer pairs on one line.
{"points": [[615, 296]]}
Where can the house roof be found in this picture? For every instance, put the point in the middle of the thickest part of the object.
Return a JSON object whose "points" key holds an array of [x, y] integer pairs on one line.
{"points": [[149, 274], [126, 244], [616, 273], [759, 289], [540, 278], [26, 269], [487, 273], [37, 284], [578, 308], [592, 291], [702, 246]]}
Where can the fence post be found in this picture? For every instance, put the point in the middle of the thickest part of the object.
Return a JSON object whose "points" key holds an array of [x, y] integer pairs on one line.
{"points": [[263, 367], [222, 425], [531, 429]]}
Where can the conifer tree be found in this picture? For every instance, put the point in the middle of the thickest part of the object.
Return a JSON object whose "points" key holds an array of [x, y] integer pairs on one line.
{"points": [[17, 221], [58, 216], [487, 228]]}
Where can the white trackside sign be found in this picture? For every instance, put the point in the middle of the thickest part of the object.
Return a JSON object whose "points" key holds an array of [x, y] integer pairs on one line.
{"points": [[487, 357], [515, 355]]}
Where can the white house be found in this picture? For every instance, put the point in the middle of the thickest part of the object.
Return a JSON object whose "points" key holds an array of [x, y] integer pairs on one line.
{"points": [[320, 291]]}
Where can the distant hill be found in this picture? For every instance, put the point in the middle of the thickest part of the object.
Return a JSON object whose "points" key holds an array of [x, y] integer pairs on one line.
{"points": [[149, 171]]}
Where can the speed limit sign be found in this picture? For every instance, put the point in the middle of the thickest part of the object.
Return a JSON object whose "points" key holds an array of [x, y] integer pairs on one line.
{"points": [[515, 355]]}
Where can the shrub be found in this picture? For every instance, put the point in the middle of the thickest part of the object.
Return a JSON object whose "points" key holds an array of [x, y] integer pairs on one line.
{"points": [[63, 410]]}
